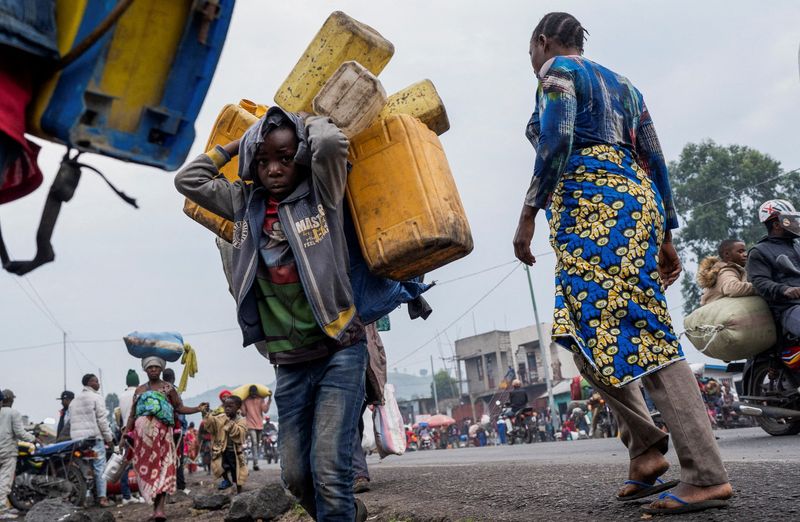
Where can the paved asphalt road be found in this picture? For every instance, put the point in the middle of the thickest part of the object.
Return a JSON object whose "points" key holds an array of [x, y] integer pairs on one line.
{"points": [[574, 480], [546, 481]]}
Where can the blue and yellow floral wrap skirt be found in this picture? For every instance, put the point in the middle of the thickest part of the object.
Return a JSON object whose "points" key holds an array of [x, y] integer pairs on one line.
{"points": [[606, 227]]}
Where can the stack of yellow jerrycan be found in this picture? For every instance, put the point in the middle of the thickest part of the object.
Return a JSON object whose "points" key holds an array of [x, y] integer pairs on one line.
{"points": [[135, 94], [231, 124], [402, 195]]}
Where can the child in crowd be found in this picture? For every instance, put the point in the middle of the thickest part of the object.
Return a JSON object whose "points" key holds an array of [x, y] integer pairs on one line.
{"points": [[724, 276], [228, 432], [291, 282]]}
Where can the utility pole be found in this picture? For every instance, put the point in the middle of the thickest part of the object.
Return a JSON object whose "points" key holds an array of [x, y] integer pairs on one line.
{"points": [[545, 350], [64, 350], [435, 395]]}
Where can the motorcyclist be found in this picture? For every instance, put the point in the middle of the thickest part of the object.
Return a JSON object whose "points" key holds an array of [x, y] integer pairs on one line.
{"points": [[517, 397], [269, 426], [773, 264]]}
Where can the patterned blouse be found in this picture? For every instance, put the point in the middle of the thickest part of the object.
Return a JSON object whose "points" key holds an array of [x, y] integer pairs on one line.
{"points": [[580, 104]]}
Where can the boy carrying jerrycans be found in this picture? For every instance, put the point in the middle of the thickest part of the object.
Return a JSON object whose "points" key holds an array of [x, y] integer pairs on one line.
{"points": [[293, 291]]}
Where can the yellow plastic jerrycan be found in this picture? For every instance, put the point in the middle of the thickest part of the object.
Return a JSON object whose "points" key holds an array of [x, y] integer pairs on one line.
{"points": [[404, 201], [231, 124], [340, 39], [352, 98], [422, 101]]}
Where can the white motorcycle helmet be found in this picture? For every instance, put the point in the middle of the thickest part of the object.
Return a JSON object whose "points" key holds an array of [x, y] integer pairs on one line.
{"points": [[782, 210]]}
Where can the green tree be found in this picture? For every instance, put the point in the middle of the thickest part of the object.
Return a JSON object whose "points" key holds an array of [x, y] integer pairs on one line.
{"points": [[446, 386], [717, 191], [112, 401]]}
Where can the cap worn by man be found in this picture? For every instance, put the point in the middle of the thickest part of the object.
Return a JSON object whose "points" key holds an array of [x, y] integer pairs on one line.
{"points": [[66, 395]]}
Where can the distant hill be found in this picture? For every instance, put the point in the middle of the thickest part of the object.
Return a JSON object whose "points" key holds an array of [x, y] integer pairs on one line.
{"points": [[409, 386]]}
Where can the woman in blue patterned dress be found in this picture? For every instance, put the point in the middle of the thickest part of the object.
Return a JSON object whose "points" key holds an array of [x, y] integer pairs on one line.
{"points": [[600, 176]]}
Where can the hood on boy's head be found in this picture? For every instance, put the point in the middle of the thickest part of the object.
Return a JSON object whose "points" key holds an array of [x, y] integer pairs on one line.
{"points": [[707, 272], [254, 137]]}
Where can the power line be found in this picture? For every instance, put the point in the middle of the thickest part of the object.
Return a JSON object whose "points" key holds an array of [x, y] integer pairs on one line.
{"points": [[102, 341], [31, 347], [36, 304], [44, 304], [457, 319], [495, 267], [706, 203]]}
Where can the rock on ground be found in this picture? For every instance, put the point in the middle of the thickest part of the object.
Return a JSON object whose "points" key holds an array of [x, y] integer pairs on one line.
{"points": [[211, 502], [268, 503], [50, 510]]}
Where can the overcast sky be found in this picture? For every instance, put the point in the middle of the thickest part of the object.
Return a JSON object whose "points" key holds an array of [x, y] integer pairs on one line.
{"points": [[725, 70]]}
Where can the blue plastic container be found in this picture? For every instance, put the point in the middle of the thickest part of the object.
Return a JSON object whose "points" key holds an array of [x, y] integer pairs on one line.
{"points": [[136, 93]]}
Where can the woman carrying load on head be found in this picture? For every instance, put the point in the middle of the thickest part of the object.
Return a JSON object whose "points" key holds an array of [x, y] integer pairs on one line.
{"points": [[601, 177], [149, 433]]}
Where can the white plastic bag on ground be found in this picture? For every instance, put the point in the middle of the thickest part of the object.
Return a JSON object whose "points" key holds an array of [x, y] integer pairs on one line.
{"points": [[732, 328], [390, 436], [368, 435]]}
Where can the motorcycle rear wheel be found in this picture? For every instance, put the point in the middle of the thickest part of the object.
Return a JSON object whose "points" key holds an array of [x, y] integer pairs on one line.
{"points": [[24, 499], [766, 386]]}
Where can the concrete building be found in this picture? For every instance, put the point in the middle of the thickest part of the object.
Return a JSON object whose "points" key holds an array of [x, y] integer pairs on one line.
{"points": [[486, 359]]}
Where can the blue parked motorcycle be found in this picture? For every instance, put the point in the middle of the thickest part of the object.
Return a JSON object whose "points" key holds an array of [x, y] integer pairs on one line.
{"points": [[51, 471]]}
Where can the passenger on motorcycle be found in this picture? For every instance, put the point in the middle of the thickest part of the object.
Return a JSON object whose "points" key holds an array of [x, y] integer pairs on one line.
{"points": [[773, 264], [11, 430], [724, 276]]}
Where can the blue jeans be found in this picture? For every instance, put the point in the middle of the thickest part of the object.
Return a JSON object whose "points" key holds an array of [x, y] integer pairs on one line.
{"points": [[124, 485], [360, 469], [99, 465], [318, 406]]}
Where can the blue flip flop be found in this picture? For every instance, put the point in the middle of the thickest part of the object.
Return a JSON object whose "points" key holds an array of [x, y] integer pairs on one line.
{"points": [[685, 507], [647, 489]]}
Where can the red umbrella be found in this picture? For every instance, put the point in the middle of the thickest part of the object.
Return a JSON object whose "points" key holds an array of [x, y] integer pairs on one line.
{"points": [[439, 420]]}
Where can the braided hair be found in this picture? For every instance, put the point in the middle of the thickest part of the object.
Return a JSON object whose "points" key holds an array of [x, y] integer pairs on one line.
{"points": [[563, 27]]}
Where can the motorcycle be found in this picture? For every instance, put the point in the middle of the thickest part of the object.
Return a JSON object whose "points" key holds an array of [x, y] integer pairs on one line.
{"points": [[771, 389], [523, 426], [606, 426], [426, 442], [52, 471], [271, 446]]}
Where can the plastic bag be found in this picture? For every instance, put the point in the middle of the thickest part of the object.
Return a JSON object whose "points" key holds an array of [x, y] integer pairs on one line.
{"points": [[390, 437], [114, 468], [166, 345], [732, 328], [368, 435]]}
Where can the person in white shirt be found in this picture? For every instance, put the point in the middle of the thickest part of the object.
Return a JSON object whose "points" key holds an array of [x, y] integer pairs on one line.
{"points": [[88, 417]]}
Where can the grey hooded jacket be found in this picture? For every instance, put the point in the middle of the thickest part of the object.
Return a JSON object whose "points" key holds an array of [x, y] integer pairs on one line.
{"points": [[311, 217]]}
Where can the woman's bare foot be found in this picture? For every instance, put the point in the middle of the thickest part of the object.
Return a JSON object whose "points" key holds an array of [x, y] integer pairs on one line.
{"points": [[693, 494], [646, 468]]}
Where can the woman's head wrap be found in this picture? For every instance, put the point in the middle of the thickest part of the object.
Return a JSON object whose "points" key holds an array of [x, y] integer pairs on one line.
{"points": [[153, 361]]}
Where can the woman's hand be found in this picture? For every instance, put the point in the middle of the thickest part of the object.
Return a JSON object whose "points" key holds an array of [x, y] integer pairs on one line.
{"points": [[669, 265], [232, 148], [524, 235]]}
